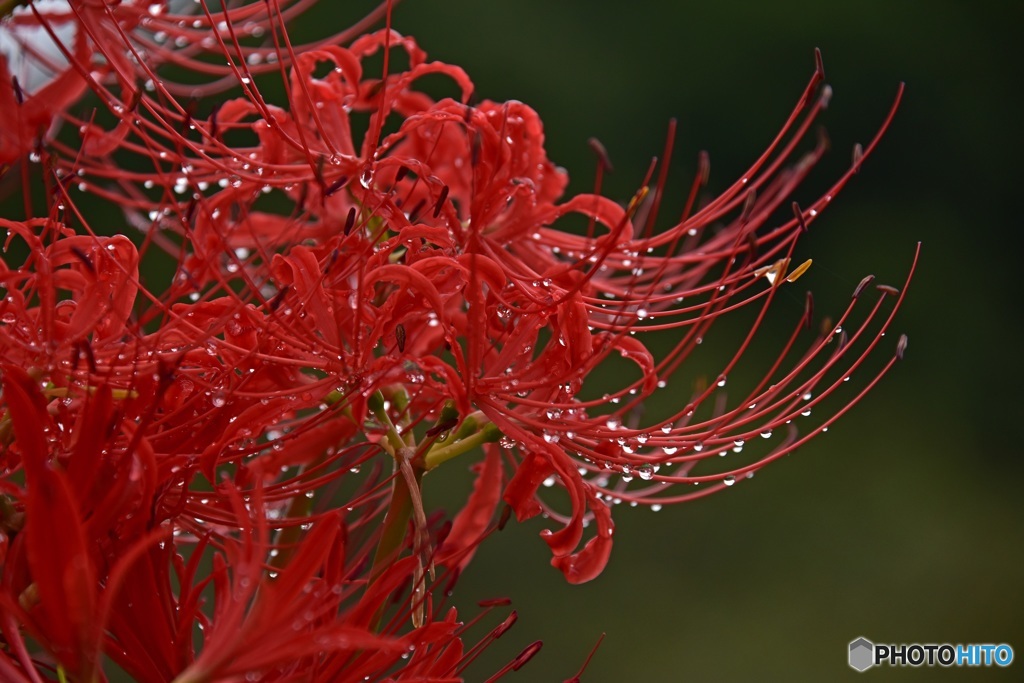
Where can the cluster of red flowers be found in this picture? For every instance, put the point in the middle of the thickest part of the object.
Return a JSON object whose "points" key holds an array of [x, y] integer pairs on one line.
{"points": [[218, 475]]}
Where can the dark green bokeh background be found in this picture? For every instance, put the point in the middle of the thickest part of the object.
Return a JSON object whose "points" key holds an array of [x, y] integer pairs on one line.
{"points": [[904, 523]]}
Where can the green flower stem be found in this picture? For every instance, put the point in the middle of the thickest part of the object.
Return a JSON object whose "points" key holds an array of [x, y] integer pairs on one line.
{"points": [[395, 523], [400, 400], [469, 425], [489, 433], [376, 405]]}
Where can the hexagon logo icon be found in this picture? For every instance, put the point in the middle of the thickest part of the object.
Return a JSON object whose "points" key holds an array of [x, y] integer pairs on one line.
{"points": [[862, 654]]}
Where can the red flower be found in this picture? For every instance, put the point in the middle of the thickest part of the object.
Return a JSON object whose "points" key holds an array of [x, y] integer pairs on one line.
{"points": [[349, 312]]}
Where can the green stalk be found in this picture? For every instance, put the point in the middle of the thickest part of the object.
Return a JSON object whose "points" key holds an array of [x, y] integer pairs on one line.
{"points": [[489, 433]]}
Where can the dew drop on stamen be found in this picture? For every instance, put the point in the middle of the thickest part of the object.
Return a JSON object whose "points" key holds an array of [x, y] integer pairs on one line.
{"points": [[721, 381], [645, 472], [766, 434], [366, 177], [729, 481], [656, 507]]}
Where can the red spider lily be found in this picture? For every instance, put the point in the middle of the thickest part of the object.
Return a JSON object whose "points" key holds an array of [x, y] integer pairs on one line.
{"points": [[52, 52], [216, 451]]}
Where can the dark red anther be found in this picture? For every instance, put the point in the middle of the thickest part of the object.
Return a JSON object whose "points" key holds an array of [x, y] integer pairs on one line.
{"points": [[886, 289], [414, 215], [808, 310], [799, 213], [901, 346], [190, 211], [275, 303], [601, 152], [442, 427], [506, 514], [703, 167], [474, 152], [748, 206], [18, 93], [350, 220], [400, 338], [440, 201], [186, 119], [868, 279], [527, 654], [214, 122], [495, 602], [504, 626], [84, 258], [336, 185]]}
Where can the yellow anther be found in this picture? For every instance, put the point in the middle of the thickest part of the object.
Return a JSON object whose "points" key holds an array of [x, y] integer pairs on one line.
{"points": [[800, 270]]}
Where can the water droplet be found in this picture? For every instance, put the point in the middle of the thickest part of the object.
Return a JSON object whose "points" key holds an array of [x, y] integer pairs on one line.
{"points": [[366, 177], [721, 380], [729, 481], [656, 507], [766, 434], [645, 471]]}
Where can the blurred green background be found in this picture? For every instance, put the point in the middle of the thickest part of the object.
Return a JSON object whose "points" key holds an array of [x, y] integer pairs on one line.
{"points": [[904, 523]]}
